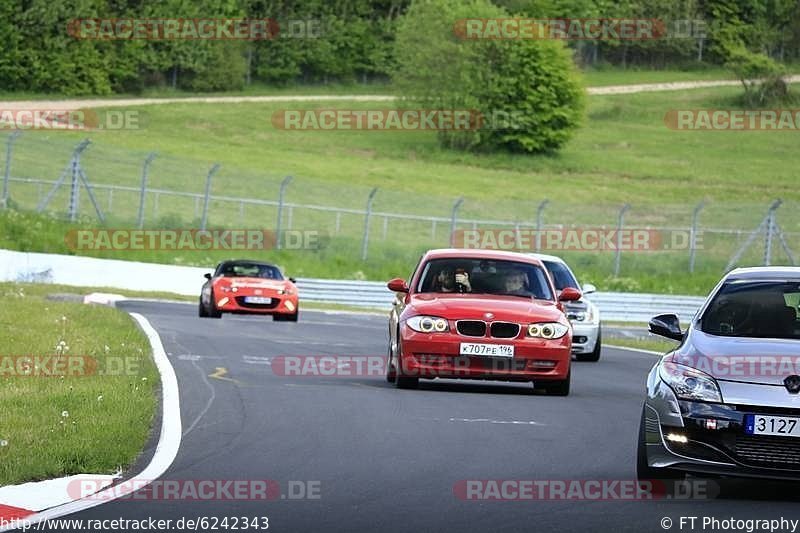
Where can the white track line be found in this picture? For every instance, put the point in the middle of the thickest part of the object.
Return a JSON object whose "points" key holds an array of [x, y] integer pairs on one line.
{"points": [[166, 450]]}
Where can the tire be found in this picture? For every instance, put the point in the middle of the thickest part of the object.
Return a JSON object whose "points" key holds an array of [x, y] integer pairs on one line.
{"points": [[560, 387], [201, 309], [594, 355], [401, 381], [280, 317], [213, 312], [391, 374], [644, 472]]}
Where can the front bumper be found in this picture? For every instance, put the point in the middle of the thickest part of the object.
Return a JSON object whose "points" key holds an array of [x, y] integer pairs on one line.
{"points": [[234, 303], [436, 355], [716, 442], [584, 336]]}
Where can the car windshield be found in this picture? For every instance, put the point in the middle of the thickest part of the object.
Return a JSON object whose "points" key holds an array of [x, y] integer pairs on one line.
{"points": [[481, 276], [562, 277], [758, 309], [250, 270]]}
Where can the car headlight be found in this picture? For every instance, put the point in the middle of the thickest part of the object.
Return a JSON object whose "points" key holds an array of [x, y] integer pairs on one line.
{"points": [[547, 330], [427, 324], [689, 383]]}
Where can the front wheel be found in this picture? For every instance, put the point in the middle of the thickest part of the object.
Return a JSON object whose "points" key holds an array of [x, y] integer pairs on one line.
{"points": [[286, 318], [401, 381], [213, 312], [201, 309], [391, 374], [560, 387]]}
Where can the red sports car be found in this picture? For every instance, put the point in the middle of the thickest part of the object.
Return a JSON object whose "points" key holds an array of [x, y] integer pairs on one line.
{"points": [[479, 314], [249, 287]]}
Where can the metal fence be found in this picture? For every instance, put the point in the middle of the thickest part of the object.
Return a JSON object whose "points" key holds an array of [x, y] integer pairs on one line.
{"points": [[145, 189]]}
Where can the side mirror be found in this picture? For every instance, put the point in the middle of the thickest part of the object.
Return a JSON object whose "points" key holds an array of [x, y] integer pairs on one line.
{"points": [[588, 288], [207, 275], [293, 280], [569, 294], [668, 326], [398, 285]]}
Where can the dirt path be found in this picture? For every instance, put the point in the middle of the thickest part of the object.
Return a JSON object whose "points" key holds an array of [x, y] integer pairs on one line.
{"points": [[130, 102]]}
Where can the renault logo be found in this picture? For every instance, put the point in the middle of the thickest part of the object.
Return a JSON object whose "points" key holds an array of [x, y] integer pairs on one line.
{"points": [[792, 384]]}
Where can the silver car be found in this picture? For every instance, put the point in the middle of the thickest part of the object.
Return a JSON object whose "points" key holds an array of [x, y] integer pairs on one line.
{"points": [[726, 400], [583, 314]]}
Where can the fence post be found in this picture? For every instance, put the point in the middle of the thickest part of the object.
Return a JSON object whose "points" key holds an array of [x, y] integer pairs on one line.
{"points": [[539, 211], [365, 240], [143, 192], [75, 184], [620, 222], [763, 225], [770, 231], [210, 175], [7, 173], [454, 219], [281, 192], [693, 235]]}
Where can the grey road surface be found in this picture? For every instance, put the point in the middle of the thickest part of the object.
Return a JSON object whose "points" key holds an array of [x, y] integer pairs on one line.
{"points": [[389, 460]]}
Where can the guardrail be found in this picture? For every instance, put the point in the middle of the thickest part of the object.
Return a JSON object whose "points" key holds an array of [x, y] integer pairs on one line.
{"points": [[133, 275], [614, 306]]}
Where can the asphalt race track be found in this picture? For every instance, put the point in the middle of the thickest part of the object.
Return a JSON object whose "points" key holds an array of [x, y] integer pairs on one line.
{"points": [[387, 459]]}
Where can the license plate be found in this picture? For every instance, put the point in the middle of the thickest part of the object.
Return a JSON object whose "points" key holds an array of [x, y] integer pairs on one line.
{"points": [[772, 425], [487, 350], [257, 300]]}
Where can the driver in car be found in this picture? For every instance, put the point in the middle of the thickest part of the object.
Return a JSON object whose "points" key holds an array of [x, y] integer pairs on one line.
{"points": [[449, 280], [516, 283]]}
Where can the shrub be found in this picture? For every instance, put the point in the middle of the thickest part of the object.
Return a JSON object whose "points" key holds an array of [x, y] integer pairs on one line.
{"points": [[533, 82]]}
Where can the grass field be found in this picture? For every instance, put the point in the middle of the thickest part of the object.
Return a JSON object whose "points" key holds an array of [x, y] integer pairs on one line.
{"points": [[623, 153], [83, 422]]}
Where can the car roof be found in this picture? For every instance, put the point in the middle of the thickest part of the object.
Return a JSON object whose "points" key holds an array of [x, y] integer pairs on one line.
{"points": [[546, 257], [246, 261], [472, 253], [764, 273]]}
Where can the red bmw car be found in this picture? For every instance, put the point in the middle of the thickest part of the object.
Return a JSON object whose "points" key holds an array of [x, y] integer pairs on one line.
{"points": [[479, 314], [249, 287]]}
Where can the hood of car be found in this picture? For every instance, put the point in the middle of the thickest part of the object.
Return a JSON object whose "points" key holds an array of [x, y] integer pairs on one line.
{"points": [[476, 306], [750, 360]]}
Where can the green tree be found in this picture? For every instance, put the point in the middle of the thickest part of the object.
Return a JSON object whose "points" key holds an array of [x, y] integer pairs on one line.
{"points": [[531, 82]]}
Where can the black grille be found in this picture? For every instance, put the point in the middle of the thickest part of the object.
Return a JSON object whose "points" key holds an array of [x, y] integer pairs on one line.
{"points": [[242, 303], [471, 328], [504, 330], [769, 451]]}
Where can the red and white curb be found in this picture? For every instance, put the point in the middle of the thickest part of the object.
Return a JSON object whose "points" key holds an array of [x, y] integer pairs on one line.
{"points": [[20, 501], [46, 500]]}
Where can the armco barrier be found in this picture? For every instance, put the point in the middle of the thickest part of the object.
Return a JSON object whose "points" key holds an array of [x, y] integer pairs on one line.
{"points": [[132, 275]]}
